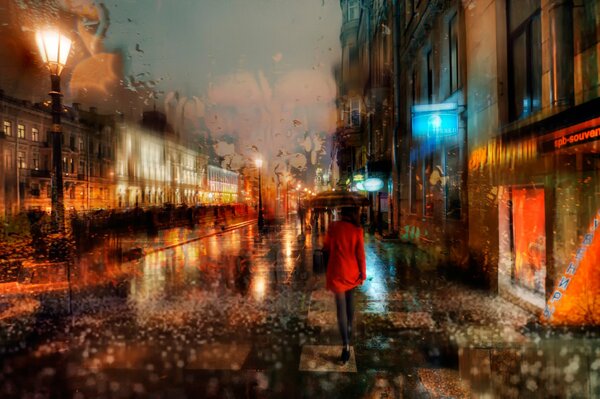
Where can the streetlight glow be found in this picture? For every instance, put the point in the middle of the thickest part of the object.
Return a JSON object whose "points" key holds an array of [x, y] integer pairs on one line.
{"points": [[54, 48], [258, 163]]}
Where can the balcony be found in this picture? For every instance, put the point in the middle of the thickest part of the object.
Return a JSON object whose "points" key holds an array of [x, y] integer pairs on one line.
{"points": [[41, 173]]}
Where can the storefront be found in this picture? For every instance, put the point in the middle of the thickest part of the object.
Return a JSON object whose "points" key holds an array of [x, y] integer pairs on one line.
{"points": [[573, 295], [548, 207]]}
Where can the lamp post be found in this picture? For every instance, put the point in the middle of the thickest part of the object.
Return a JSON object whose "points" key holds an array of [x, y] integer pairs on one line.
{"points": [[261, 220], [54, 48]]}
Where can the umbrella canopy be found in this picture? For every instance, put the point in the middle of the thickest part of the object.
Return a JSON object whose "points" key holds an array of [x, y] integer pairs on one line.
{"points": [[338, 199]]}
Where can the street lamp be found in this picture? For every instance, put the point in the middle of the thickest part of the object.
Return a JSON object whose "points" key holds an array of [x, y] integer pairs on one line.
{"points": [[261, 220], [54, 48]]}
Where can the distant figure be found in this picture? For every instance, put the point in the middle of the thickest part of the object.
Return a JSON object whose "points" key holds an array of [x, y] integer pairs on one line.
{"points": [[346, 269]]}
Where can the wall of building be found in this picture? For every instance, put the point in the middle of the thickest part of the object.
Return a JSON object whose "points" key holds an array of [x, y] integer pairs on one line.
{"points": [[106, 164], [28, 159]]}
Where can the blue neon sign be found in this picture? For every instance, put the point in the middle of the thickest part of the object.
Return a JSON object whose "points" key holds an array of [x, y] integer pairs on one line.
{"points": [[435, 120]]}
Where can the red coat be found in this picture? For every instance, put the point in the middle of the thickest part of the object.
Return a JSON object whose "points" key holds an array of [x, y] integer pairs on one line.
{"points": [[346, 267]]}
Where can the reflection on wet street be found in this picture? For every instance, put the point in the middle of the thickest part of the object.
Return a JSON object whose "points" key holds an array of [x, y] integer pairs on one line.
{"points": [[241, 314]]}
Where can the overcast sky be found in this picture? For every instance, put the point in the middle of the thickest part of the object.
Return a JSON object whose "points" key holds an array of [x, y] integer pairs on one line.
{"points": [[188, 43], [252, 75]]}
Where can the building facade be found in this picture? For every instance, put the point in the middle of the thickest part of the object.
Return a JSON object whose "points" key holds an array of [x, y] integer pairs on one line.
{"points": [[25, 181], [490, 119], [533, 169], [364, 138], [107, 163], [432, 164]]}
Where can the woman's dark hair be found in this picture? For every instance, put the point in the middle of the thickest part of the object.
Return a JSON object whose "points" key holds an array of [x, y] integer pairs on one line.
{"points": [[351, 215]]}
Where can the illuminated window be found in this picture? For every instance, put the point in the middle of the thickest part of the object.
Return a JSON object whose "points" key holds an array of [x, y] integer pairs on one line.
{"points": [[35, 161], [7, 128], [428, 186], [527, 236], [353, 10], [35, 134], [21, 131], [22, 164]]}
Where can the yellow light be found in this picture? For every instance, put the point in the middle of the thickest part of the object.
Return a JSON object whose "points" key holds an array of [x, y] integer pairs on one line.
{"points": [[258, 163], [54, 48]]}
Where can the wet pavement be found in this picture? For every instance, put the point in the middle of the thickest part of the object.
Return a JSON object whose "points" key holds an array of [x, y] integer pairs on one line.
{"points": [[238, 314]]}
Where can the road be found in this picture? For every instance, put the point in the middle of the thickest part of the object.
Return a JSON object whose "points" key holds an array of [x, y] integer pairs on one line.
{"points": [[240, 314]]}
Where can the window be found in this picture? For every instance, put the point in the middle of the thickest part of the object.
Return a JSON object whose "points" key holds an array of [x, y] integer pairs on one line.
{"points": [[528, 237], [454, 69], [453, 183], [81, 166], [35, 134], [35, 161], [21, 162], [353, 10], [525, 53], [8, 160], [355, 112], [21, 131], [81, 147], [72, 142], [429, 61], [35, 190], [414, 181], [346, 66], [7, 128], [428, 187]]}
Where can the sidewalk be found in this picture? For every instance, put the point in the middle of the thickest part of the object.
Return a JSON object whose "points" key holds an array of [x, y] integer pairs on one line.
{"points": [[164, 240]]}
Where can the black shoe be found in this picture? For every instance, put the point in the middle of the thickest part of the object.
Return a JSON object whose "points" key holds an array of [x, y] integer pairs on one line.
{"points": [[345, 356]]}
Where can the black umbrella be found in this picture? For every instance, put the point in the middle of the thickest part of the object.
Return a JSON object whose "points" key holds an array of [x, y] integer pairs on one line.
{"points": [[338, 199]]}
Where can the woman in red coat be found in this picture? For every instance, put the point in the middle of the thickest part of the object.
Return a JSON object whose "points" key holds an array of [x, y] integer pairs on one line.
{"points": [[346, 269]]}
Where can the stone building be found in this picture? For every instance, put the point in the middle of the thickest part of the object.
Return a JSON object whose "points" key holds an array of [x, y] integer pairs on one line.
{"points": [[366, 102], [488, 112], [432, 162], [27, 157], [107, 163]]}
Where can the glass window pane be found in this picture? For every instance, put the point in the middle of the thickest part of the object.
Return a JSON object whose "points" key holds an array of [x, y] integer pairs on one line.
{"points": [[453, 183], [536, 63], [454, 67], [520, 100]]}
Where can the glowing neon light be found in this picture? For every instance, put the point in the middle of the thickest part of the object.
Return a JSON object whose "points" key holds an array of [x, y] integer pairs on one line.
{"points": [[373, 184], [435, 120], [561, 287]]}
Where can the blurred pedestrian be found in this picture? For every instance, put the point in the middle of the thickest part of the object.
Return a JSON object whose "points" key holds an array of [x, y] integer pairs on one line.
{"points": [[346, 269]]}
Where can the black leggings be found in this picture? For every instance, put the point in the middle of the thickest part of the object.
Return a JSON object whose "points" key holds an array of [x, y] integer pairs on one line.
{"points": [[344, 303]]}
